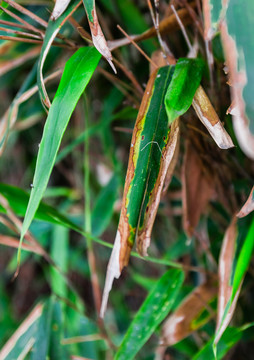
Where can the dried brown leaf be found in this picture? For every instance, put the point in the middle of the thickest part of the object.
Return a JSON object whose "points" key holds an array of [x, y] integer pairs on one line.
{"points": [[248, 207], [198, 189], [238, 80], [225, 290], [181, 323], [208, 116]]}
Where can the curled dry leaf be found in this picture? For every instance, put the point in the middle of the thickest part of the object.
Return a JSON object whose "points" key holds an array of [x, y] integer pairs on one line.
{"points": [[198, 189], [60, 6], [237, 39], [226, 259], [98, 38], [191, 314], [248, 207], [208, 116]]}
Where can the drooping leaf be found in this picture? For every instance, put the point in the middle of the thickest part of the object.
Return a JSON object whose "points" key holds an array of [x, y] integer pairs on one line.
{"points": [[77, 73], [248, 207], [44, 212], [154, 309], [60, 6], [151, 153], [53, 28], [209, 118], [238, 44], [191, 314], [99, 40], [242, 252], [226, 260]]}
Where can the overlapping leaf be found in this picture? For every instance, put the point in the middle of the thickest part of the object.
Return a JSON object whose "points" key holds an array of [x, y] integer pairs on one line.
{"points": [[169, 94], [99, 40], [235, 257]]}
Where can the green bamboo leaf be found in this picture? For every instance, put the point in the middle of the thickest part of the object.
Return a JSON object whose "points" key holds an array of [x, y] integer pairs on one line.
{"points": [[77, 73], [185, 81], [230, 337], [18, 201], [53, 29], [152, 151], [154, 309]]}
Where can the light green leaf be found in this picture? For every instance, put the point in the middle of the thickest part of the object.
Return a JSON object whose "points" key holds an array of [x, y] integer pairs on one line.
{"points": [[77, 73], [182, 88]]}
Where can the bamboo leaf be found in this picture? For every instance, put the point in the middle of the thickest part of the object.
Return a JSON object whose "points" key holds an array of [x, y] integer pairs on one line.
{"points": [[21, 342], [43, 213], [53, 28], [152, 147], [60, 6], [238, 43], [77, 73], [99, 40], [248, 207], [236, 253], [209, 118], [191, 314], [154, 309]]}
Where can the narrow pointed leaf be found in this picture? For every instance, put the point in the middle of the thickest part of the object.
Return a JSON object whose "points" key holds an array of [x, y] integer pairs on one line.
{"points": [[53, 29], [44, 212], [99, 40], [242, 253], [60, 6], [191, 314], [154, 309], [209, 118], [248, 207], [23, 339], [152, 149], [77, 73]]}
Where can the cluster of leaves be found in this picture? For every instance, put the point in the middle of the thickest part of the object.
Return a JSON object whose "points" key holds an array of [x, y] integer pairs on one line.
{"points": [[188, 177]]}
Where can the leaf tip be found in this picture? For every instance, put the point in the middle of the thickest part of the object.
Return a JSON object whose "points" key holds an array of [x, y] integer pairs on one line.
{"points": [[113, 272]]}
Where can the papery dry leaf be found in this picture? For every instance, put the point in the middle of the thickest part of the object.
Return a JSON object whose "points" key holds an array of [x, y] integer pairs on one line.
{"points": [[248, 207], [184, 320], [238, 80], [198, 189], [60, 6], [210, 119], [226, 259]]}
